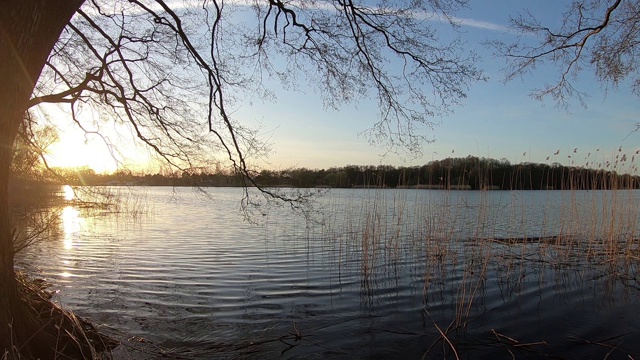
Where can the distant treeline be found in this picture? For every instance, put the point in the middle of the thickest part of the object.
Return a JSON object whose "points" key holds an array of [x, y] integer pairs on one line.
{"points": [[471, 173]]}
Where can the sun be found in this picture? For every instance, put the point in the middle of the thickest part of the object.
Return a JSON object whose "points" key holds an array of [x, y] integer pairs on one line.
{"points": [[75, 152], [104, 149]]}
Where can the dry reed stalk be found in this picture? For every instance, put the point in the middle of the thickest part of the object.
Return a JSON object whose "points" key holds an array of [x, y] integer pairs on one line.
{"points": [[581, 232], [515, 343], [70, 332], [443, 336]]}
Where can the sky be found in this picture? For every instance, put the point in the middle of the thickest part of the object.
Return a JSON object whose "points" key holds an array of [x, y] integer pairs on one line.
{"points": [[497, 119]]}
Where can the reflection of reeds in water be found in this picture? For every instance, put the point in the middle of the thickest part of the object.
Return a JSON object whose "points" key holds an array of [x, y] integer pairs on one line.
{"points": [[458, 242], [132, 204], [49, 219], [125, 203]]}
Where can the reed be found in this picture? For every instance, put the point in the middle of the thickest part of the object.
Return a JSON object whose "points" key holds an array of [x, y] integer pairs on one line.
{"points": [[479, 237], [456, 244], [61, 334]]}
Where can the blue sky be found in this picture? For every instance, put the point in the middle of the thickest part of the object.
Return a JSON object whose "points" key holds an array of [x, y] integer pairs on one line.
{"points": [[497, 120]]}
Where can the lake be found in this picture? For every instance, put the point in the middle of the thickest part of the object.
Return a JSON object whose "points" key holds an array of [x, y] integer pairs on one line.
{"points": [[370, 274]]}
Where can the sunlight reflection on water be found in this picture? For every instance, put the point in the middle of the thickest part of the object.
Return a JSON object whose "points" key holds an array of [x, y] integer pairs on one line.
{"points": [[198, 279], [71, 225], [69, 194]]}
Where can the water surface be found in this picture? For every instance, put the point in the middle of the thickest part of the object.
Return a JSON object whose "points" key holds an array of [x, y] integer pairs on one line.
{"points": [[374, 274]]}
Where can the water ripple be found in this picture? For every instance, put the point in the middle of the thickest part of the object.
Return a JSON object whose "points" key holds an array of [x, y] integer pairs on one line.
{"points": [[195, 278]]}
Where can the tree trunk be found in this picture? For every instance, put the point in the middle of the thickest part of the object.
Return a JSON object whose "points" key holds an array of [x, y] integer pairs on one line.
{"points": [[28, 31]]}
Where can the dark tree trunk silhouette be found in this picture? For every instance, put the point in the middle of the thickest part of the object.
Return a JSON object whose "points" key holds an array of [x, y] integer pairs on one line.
{"points": [[28, 31]]}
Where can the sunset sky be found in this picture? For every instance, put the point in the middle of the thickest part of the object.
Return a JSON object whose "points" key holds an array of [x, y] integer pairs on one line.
{"points": [[497, 120]]}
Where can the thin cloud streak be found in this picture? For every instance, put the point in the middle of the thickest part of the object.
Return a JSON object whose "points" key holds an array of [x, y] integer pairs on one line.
{"points": [[430, 16], [479, 24]]}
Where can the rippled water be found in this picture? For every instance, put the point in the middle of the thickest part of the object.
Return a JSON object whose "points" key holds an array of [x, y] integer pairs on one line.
{"points": [[374, 274]]}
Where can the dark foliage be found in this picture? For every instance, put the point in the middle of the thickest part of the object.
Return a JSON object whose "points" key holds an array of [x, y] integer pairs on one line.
{"points": [[471, 173]]}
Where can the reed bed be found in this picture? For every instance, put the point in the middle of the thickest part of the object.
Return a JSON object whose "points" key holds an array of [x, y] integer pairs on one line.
{"points": [[63, 334], [51, 218], [459, 241]]}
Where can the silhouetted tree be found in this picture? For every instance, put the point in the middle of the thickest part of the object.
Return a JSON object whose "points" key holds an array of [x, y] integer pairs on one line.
{"points": [[173, 72], [31, 144], [598, 35]]}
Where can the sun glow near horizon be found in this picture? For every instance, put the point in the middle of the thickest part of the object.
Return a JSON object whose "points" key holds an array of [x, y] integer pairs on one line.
{"points": [[107, 154], [74, 153]]}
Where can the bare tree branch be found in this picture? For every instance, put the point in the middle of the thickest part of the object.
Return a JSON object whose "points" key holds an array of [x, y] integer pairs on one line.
{"points": [[173, 74], [602, 35]]}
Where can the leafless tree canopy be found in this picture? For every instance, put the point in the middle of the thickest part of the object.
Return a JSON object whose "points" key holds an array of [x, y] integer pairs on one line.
{"points": [[598, 35], [30, 146], [175, 72]]}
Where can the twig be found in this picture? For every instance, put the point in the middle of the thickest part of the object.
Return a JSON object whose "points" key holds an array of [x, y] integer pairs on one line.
{"points": [[298, 335], [443, 335]]}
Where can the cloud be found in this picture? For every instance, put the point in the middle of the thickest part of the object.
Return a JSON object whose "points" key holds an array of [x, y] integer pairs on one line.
{"points": [[474, 23], [324, 5], [479, 24]]}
